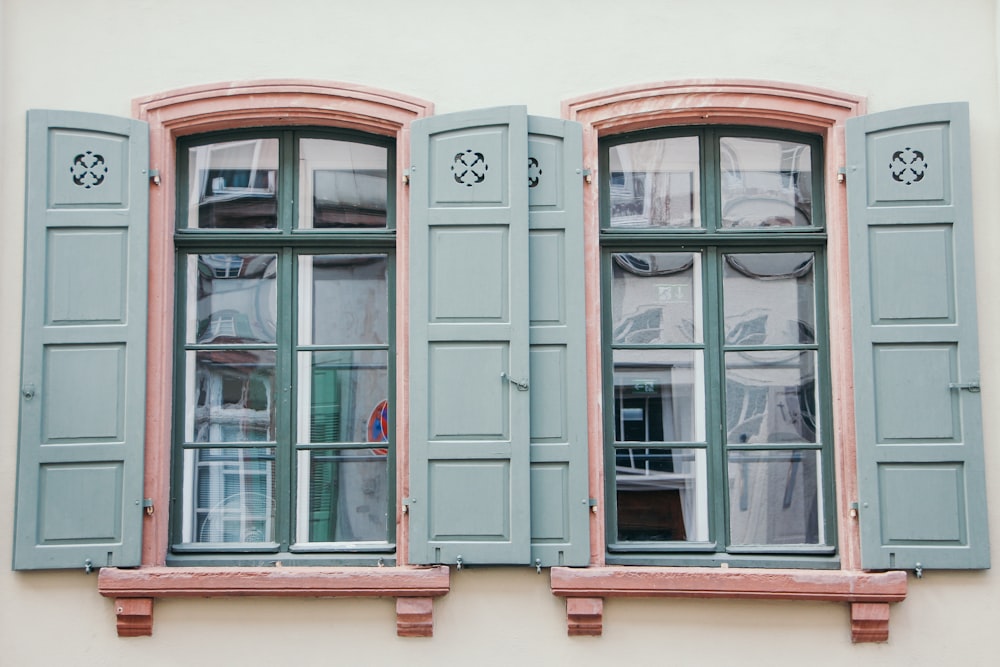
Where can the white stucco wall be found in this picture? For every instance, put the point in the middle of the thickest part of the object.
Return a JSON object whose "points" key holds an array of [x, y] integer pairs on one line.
{"points": [[100, 54]]}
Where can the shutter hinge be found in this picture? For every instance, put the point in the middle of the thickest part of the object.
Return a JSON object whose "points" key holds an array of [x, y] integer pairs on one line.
{"points": [[854, 510], [406, 175], [407, 502], [841, 174], [154, 175], [919, 571], [592, 503], [587, 175], [147, 504]]}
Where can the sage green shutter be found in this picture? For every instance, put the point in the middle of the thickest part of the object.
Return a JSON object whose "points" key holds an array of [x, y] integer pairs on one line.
{"points": [[560, 511], [80, 450], [469, 384], [922, 497]]}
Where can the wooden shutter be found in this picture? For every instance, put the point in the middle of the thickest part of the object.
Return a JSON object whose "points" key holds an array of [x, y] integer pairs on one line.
{"points": [[469, 384], [560, 508], [921, 481], [82, 418]]}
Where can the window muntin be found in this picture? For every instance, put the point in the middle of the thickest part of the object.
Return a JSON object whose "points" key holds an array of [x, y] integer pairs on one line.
{"points": [[716, 349], [285, 374]]}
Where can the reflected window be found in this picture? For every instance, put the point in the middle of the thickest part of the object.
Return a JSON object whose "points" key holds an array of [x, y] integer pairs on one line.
{"points": [[716, 343], [233, 185], [285, 358]]}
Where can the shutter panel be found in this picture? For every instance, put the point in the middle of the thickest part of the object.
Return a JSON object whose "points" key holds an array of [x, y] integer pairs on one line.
{"points": [[82, 420], [469, 405], [560, 511], [922, 497]]}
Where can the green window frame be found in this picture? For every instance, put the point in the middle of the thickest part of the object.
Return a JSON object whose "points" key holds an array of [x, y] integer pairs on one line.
{"points": [[718, 424], [284, 442]]}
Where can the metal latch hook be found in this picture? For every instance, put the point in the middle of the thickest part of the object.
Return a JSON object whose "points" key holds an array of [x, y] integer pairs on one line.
{"points": [[522, 385]]}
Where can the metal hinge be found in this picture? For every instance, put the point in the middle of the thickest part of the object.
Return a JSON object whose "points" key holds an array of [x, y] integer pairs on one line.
{"points": [[592, 503], [407, 502], [154, 175], [587, 175], [841, 174], [406, 175], [147, 504]]}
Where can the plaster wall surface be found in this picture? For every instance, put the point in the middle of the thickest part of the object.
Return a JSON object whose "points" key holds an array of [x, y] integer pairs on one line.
{"points": [[100, 55]]}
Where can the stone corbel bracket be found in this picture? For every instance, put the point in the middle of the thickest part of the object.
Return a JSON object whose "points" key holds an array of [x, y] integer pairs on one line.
{"points": [[868, 593], [413, 587]]}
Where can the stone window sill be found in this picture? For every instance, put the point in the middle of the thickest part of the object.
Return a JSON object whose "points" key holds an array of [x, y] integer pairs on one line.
{"points": [[868, 593], [413, 587]]}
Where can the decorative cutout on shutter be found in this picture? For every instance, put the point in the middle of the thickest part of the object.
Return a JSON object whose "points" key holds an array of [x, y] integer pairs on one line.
{"points": [[908, 166]]}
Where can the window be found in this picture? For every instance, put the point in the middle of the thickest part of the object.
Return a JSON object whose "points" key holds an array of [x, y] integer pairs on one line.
{"points": [[718, 438], [285, 367]]}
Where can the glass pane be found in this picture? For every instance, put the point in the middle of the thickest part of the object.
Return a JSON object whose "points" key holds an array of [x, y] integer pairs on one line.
{"points": [[230, 396], [655, 183], [662, 494], [656, 298], [342, 396], [343, 495], [659, 396], [233, 185], [232, 298], [774, 497], [228, 495], [343, 300], [342, 184], [771, 397], [769, 299], [765, 183]]}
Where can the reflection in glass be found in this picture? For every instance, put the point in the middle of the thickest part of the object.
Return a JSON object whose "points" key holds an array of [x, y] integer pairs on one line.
{"points": [[655, 183], [343, 495], [232, 298], [769, 299], [228, 495], [765, 183], [774, 497], [230, 396], [339, 392], [656, 298], [343, 300], [771, 396], [342, 184], [233, 185], [659, 396], [662, 494]]}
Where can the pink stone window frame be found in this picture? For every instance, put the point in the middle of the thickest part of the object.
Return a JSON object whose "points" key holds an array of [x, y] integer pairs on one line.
{"points": [[237, 105], [761, 104], [223, 106]]}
